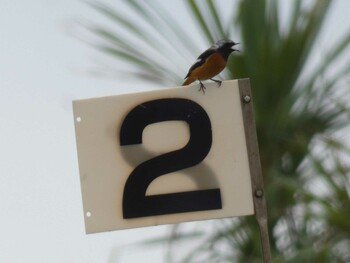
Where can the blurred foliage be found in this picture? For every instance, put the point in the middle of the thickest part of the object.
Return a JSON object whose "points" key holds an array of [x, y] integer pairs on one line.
{"points": [[301, 108]]}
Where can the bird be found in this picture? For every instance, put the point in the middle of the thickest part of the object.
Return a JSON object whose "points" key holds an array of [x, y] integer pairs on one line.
{"points": [[210, 63]]}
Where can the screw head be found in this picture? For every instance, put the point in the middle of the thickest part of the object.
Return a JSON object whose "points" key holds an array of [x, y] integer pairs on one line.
{"points": [[259, 193], [246, 98]]}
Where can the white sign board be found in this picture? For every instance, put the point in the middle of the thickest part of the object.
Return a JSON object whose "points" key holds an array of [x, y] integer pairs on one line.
{"points": [[164, 156]]}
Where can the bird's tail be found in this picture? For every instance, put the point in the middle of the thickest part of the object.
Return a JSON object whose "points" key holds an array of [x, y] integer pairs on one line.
{"points": [[188, 81]]}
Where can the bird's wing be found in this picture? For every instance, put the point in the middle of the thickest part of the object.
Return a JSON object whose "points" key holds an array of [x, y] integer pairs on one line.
{"points": [[201, 59]]}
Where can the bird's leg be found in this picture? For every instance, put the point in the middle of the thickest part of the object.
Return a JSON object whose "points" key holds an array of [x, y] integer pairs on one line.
{"points": [[217, 81], [201, 86]]}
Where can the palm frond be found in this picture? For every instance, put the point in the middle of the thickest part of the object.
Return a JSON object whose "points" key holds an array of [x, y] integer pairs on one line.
{"points": [[297, 109]]}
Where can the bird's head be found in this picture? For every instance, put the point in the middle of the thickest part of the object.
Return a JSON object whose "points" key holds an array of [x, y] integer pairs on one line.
{"points": [[226, 47]]}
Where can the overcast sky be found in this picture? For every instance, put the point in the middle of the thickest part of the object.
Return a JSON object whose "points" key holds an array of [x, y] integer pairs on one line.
{"points": [[42, 69]]}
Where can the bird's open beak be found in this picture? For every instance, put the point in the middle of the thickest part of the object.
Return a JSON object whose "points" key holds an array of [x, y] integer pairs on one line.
{"points": [[232, 48]]}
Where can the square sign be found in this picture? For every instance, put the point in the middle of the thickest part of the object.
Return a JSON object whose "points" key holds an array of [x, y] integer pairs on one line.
{"points": [[164, 156]]}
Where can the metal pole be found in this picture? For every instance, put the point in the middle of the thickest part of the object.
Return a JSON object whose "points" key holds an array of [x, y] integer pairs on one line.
{"points": [[255, 167]]}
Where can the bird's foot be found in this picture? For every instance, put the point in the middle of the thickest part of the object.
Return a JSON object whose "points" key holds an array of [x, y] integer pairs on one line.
{"points": [[201, 87], [217, 81]]}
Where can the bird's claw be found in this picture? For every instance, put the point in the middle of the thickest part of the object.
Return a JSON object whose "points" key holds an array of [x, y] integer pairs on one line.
{"points": [[202, 87], [217, 81]]}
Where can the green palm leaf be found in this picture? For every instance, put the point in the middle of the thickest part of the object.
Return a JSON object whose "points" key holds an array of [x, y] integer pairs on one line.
{"points": [[298, 112]]}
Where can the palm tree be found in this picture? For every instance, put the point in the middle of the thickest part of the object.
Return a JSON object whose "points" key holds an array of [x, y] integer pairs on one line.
{"points": [[301, 115]]}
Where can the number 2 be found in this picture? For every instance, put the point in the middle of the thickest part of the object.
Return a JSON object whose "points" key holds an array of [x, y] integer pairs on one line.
{"points": [[135, 202]]}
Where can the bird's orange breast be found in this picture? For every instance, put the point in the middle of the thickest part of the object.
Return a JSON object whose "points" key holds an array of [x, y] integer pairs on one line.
{"points": [[212, 66]]}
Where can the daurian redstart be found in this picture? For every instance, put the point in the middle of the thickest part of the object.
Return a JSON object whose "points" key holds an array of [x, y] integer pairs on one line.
{"points": [[210, 63]]}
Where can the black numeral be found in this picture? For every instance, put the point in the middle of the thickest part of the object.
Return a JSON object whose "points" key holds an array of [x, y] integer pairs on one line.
{"points": [[135, 201]]}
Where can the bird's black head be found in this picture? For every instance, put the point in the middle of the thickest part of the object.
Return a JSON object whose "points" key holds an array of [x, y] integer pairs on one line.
{"points": [[225, 47]]}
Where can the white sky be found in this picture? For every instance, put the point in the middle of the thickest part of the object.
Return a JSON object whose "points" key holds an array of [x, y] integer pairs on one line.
{"points": [[42, 69]]}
